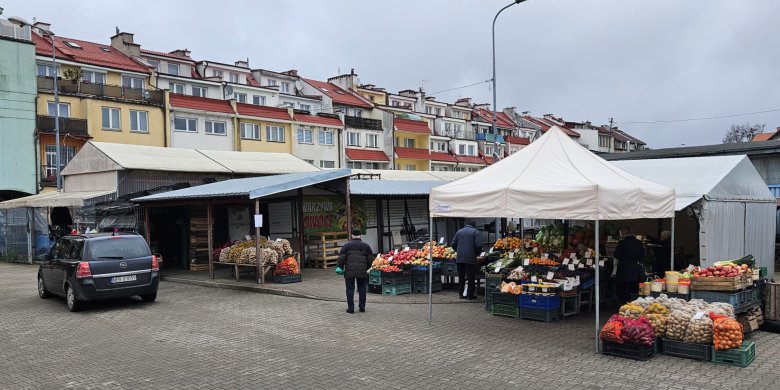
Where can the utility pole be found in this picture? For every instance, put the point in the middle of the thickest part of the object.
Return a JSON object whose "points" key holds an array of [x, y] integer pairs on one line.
{"points": [[611, 136]]}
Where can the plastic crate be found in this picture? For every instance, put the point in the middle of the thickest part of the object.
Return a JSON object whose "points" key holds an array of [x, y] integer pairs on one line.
{"points": [[734, 299], [425, 267], [586, 284], [396, 289], [538, 301], [500, 298], [488, 301], [450, 269], [284, 279], [741, 357], [395, 278], [629, 351], [423, 288], [751, 295], [375, 288], [540, 315], [505, 310], [687, 350], [747, 307], [375, 277]]}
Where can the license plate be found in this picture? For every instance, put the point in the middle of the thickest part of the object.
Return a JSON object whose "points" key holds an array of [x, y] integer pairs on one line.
{"points": [[123, 279]]}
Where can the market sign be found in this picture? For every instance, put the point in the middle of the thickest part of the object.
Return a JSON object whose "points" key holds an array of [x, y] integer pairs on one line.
{"points": [[328, 214]]}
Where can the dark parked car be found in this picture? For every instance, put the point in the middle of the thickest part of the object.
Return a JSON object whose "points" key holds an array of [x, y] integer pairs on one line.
{"points": [[100, 266]]}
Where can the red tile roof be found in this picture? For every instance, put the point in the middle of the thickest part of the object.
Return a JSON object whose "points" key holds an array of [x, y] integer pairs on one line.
{"points": [[517, 140], [411, 126], [470, 160], [366, 155], [318, 120], [442, 156], [199, 103], [502, 119], [163, 54], [339, 96], [251, 81], [90, 53], [263, 111], [762, 137], [545, 125], [413, 153]]}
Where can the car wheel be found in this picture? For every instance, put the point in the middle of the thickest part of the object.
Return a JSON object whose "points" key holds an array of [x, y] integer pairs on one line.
{"points": [[42, 292], [70, 298], [149, 297]]}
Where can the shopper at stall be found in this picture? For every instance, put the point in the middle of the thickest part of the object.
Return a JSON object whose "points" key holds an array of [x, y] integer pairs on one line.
{"points": [[354, 261], [628, 269], [663, 254], [467, 243]]}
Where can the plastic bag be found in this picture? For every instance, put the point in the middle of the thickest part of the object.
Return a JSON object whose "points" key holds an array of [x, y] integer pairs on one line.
{"points": [[638, 331], [727, 332], [677, 324], [657, 308], [631, 311], [613, 329], [658, 322], [722, 308], [699, 329]]}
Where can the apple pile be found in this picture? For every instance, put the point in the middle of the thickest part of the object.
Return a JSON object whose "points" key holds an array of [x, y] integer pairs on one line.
{"points": [[721, 271]]}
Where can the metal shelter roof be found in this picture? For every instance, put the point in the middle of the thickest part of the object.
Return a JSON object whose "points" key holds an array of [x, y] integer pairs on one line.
{"points": [[53, 199], [252, 187], [392, 187]]}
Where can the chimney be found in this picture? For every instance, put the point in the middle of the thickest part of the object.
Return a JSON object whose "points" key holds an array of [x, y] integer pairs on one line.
{"points": [[41, 28], [483, 106], [292, 72], [242, 63], [181, 53], [463, 102], [511, 111], [123, 41], [526, 113]]}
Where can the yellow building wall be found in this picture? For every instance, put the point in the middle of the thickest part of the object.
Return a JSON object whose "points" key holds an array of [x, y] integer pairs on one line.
{"points": [[379, 98], [263, 145], [420, 140], [420, 165]]}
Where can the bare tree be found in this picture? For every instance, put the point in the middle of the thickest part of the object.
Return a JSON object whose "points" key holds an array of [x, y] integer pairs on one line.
{"points": [[743, 132]]}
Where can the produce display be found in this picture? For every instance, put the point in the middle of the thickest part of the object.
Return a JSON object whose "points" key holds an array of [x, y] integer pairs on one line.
{"points": [[384, 265], [613, 329], [439, 252], [720, 270], [288, 266], [699, 330], [509, 243], [728, 333], [244, 252], [637, 332], [631, 311]]}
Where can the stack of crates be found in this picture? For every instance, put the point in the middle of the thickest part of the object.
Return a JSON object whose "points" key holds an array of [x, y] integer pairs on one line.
{"points": [[420, 279], [505, 305], [492, 283], [396, 283], [375, 281], [540, 307]]}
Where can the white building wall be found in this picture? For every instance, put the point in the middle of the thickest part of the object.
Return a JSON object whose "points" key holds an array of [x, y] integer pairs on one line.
{"points": [[316, 152], [200, 139], [212, 91]]}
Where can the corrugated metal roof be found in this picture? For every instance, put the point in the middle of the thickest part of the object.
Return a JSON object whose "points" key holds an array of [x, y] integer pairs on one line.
{"points": [[253, 187], [155, 158], [53, 199], [259, 162], [386, 174], [392, 187]]}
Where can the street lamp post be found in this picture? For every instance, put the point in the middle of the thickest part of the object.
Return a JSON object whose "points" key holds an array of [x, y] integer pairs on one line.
{"points": [[495, 106]]}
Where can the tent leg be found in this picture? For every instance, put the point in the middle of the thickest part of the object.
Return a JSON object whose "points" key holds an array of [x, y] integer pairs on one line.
{"points": [[598, 286], [430, 270], [671, 256]]}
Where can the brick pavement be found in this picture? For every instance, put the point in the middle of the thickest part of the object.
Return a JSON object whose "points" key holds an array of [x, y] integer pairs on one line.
{"points": [[203, 338]]}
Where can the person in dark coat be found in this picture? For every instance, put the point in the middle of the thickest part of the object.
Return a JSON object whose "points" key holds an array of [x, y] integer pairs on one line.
{"points": [[467, 243], [355, 260], [628, 269], [663, 253]]}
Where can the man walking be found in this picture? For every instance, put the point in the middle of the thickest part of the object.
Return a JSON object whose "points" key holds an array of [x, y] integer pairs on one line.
{"points": [[354, 261], [467, 242]]}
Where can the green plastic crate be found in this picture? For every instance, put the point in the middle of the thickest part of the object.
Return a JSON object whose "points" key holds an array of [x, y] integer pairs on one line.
{"points": [[396, 289], [505, 310], [741, 357]]}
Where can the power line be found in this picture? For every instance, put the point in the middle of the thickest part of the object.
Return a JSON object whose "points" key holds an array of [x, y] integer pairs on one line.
{"points": [[705, 118], [465, 86]]}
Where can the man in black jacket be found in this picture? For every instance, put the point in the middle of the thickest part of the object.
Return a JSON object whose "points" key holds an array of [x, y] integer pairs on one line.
{"points": [[467, 243], [628, 270], [355, 259]]}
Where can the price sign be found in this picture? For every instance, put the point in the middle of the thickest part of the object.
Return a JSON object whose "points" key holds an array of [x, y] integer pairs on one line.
{"points": [[601, 263], [566, 261], [441, 240], [576, 261], [482, 254], [390, 258], [580, 265], [406, 249], [536, 249], [544, 255], [571, 267], [526, 261], [550, 275], [511, 255], [258, 220], [574, 256], [534, 279], [493, 249], [495, 271], [396, 251], [589, 262], [278, 239], [699, 315]]}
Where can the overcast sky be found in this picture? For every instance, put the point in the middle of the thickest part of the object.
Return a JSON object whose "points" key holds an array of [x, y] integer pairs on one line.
{"points": [[637, 60]]}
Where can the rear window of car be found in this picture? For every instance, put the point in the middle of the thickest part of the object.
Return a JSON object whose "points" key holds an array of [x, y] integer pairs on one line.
{"points": [[119, 247]]}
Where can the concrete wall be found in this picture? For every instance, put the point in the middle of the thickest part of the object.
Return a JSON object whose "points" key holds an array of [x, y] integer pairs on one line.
{"points": [[200, 139], [97, 181], [17, 116]]}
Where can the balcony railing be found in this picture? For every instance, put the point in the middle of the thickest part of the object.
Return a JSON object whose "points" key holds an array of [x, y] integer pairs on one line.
{"points": [[49, 175], [73, 126], [466, 134], [356, 122], [69, 87]]}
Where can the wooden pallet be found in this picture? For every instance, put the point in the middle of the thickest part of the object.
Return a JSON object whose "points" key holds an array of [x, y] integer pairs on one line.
{"points": [[199, 267], [323, 249]]}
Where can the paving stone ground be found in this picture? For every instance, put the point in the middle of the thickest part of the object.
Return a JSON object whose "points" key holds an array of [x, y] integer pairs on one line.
{"points": [[196, 337]]}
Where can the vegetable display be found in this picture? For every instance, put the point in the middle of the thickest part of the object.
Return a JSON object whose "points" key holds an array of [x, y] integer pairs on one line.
{"points": [[612, 330], [638, 332], [287, 266], [727, 333]]}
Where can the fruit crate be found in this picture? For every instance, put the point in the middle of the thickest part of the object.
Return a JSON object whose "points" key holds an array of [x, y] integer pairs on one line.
{"points": [[630, 351], [747, 307], [449, 269], [436, 266], [375, 277], [541, 302], [540, 315], [488, 301], [752, 295], [395, 278], [492, 281], [423, 288], [505, 310], [687, 350], [375, 288], [500, 298], [284, 279], [586, 284], [422, 275], [733, 299], [741, 357], [396, 289], [734, 283]]}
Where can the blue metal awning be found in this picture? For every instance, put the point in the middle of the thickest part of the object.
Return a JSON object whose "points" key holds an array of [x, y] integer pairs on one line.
{"points": [[392, 187]]}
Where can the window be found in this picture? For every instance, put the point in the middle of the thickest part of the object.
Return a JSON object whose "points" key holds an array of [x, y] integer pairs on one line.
{"points": [[89, 76], [258, 100], [437, 146], [271, 83], [288, 105], [177, 88], [240, 97], [309, 161], [154, 64], [185, 124], [110, 118], [215, 128], [250, 131], [132, 82], [409, 142], [139, 121], [472, 151], [304, 135], [63, 112], [429, 110], [356, 112], [603, 141], [285, 86], [217, 73], [198, 91], [66, 154], [326, 137], [410, 167], [462, 150], [488, 150], [234, 78], [372, 141], [354, 164], [353, 138], [274, 133], [306, 107], [173, 69], [72, 45], [327, 164], [46, 70]]}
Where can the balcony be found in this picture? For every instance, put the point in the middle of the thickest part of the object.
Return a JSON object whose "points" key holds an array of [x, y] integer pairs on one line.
{"points": [[49, 175], [362, 123], [466, 134], [72, 126], [103, 91]]}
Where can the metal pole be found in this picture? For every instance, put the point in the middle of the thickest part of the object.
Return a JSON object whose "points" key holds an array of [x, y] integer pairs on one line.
{"points": [[671, 256], [430, 270], [56, 112], [260, 269], [598, 287]]}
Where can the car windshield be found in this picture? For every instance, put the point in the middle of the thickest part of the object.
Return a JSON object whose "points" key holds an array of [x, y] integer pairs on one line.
{"points": [[119, 247]]}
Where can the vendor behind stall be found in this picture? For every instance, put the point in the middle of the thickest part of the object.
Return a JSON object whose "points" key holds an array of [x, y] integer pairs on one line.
{"points": [[628, 269], [663, 253]]}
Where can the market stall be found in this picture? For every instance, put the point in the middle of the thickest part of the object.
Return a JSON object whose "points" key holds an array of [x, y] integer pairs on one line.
{"points": [[553, 178]]}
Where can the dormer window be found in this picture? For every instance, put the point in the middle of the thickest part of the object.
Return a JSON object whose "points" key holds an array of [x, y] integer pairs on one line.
{"points": [[173, 69], [72, 45]]}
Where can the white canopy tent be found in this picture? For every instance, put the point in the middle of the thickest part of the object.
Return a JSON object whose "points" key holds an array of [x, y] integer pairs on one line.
{"points": [[734, 207], [554, 177]]}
